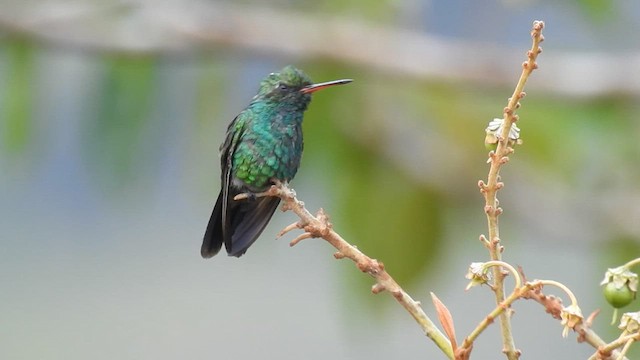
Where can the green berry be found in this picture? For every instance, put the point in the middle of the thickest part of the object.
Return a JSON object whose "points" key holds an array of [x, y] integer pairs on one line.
{"points": [[618, 297]]}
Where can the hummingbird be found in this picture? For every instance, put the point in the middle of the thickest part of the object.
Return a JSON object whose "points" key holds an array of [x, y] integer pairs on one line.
{"points": [[263, 144]]}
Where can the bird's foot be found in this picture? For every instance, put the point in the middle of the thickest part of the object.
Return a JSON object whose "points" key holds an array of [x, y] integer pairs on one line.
{"points": [[272, 191], [246, 196], [279, 189], [283, 187]]}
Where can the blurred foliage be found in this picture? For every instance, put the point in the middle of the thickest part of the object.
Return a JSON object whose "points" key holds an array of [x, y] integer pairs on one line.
{"points": [[380, 208], [598, 10], [17, 102], [597, 123], [121, 123], [375, 11], [395, 219], [210, 97], [378, 11]]}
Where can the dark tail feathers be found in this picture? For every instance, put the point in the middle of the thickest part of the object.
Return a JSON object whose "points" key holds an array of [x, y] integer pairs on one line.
{"points": [[245, 221]]}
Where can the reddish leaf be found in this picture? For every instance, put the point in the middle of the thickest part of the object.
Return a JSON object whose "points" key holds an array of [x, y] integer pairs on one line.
{"points": [[445, 320]]}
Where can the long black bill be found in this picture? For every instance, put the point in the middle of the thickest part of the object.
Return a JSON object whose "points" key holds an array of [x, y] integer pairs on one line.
{"points": [[315, 87]]}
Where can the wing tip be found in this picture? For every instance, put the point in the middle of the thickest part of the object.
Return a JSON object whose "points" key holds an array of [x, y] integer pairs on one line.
{"points": [[206, 254], [212, 240], [237, 253], [209, 248]]}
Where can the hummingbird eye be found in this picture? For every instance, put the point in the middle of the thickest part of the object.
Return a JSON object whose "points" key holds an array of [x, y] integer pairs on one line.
{"points": [[283, 86]]}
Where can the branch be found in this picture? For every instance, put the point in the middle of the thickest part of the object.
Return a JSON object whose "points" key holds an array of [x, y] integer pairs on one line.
{"points": [[625, 340], [490, 189], [500, 309], [553, 307], [318, 226]]}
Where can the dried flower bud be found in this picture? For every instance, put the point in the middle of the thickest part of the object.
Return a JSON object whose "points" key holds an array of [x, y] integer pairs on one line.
{"points": [[630, 322], [571, 316]]}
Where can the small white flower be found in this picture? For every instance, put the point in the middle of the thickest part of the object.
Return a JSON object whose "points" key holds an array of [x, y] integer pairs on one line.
{"points": [[478, 275], [494, 130]]}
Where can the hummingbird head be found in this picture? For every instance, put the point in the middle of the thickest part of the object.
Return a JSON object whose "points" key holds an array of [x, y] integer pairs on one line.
{"points": [[291, 86]]}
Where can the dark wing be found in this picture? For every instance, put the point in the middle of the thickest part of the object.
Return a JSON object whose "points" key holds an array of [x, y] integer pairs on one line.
{"points": [[236, 223], [219, 222], [242, 221], [212, 241], [247, 218]]}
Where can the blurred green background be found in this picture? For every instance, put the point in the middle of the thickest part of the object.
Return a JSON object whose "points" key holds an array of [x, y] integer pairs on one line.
{"points": [[111, 114]]}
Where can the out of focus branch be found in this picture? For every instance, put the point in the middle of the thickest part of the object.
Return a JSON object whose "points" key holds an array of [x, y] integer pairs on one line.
{"points": [[185, 27]]}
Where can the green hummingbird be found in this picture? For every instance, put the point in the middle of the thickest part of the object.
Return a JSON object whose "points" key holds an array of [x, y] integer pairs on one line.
{"points": [[263, 144]]}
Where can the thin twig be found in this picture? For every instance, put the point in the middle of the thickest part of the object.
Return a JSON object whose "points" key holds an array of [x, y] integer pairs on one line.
{"points": [[490, 189], [318, 226], [610, 349], [553, 307], [517, 293], [626, 348], [632, 263]]}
